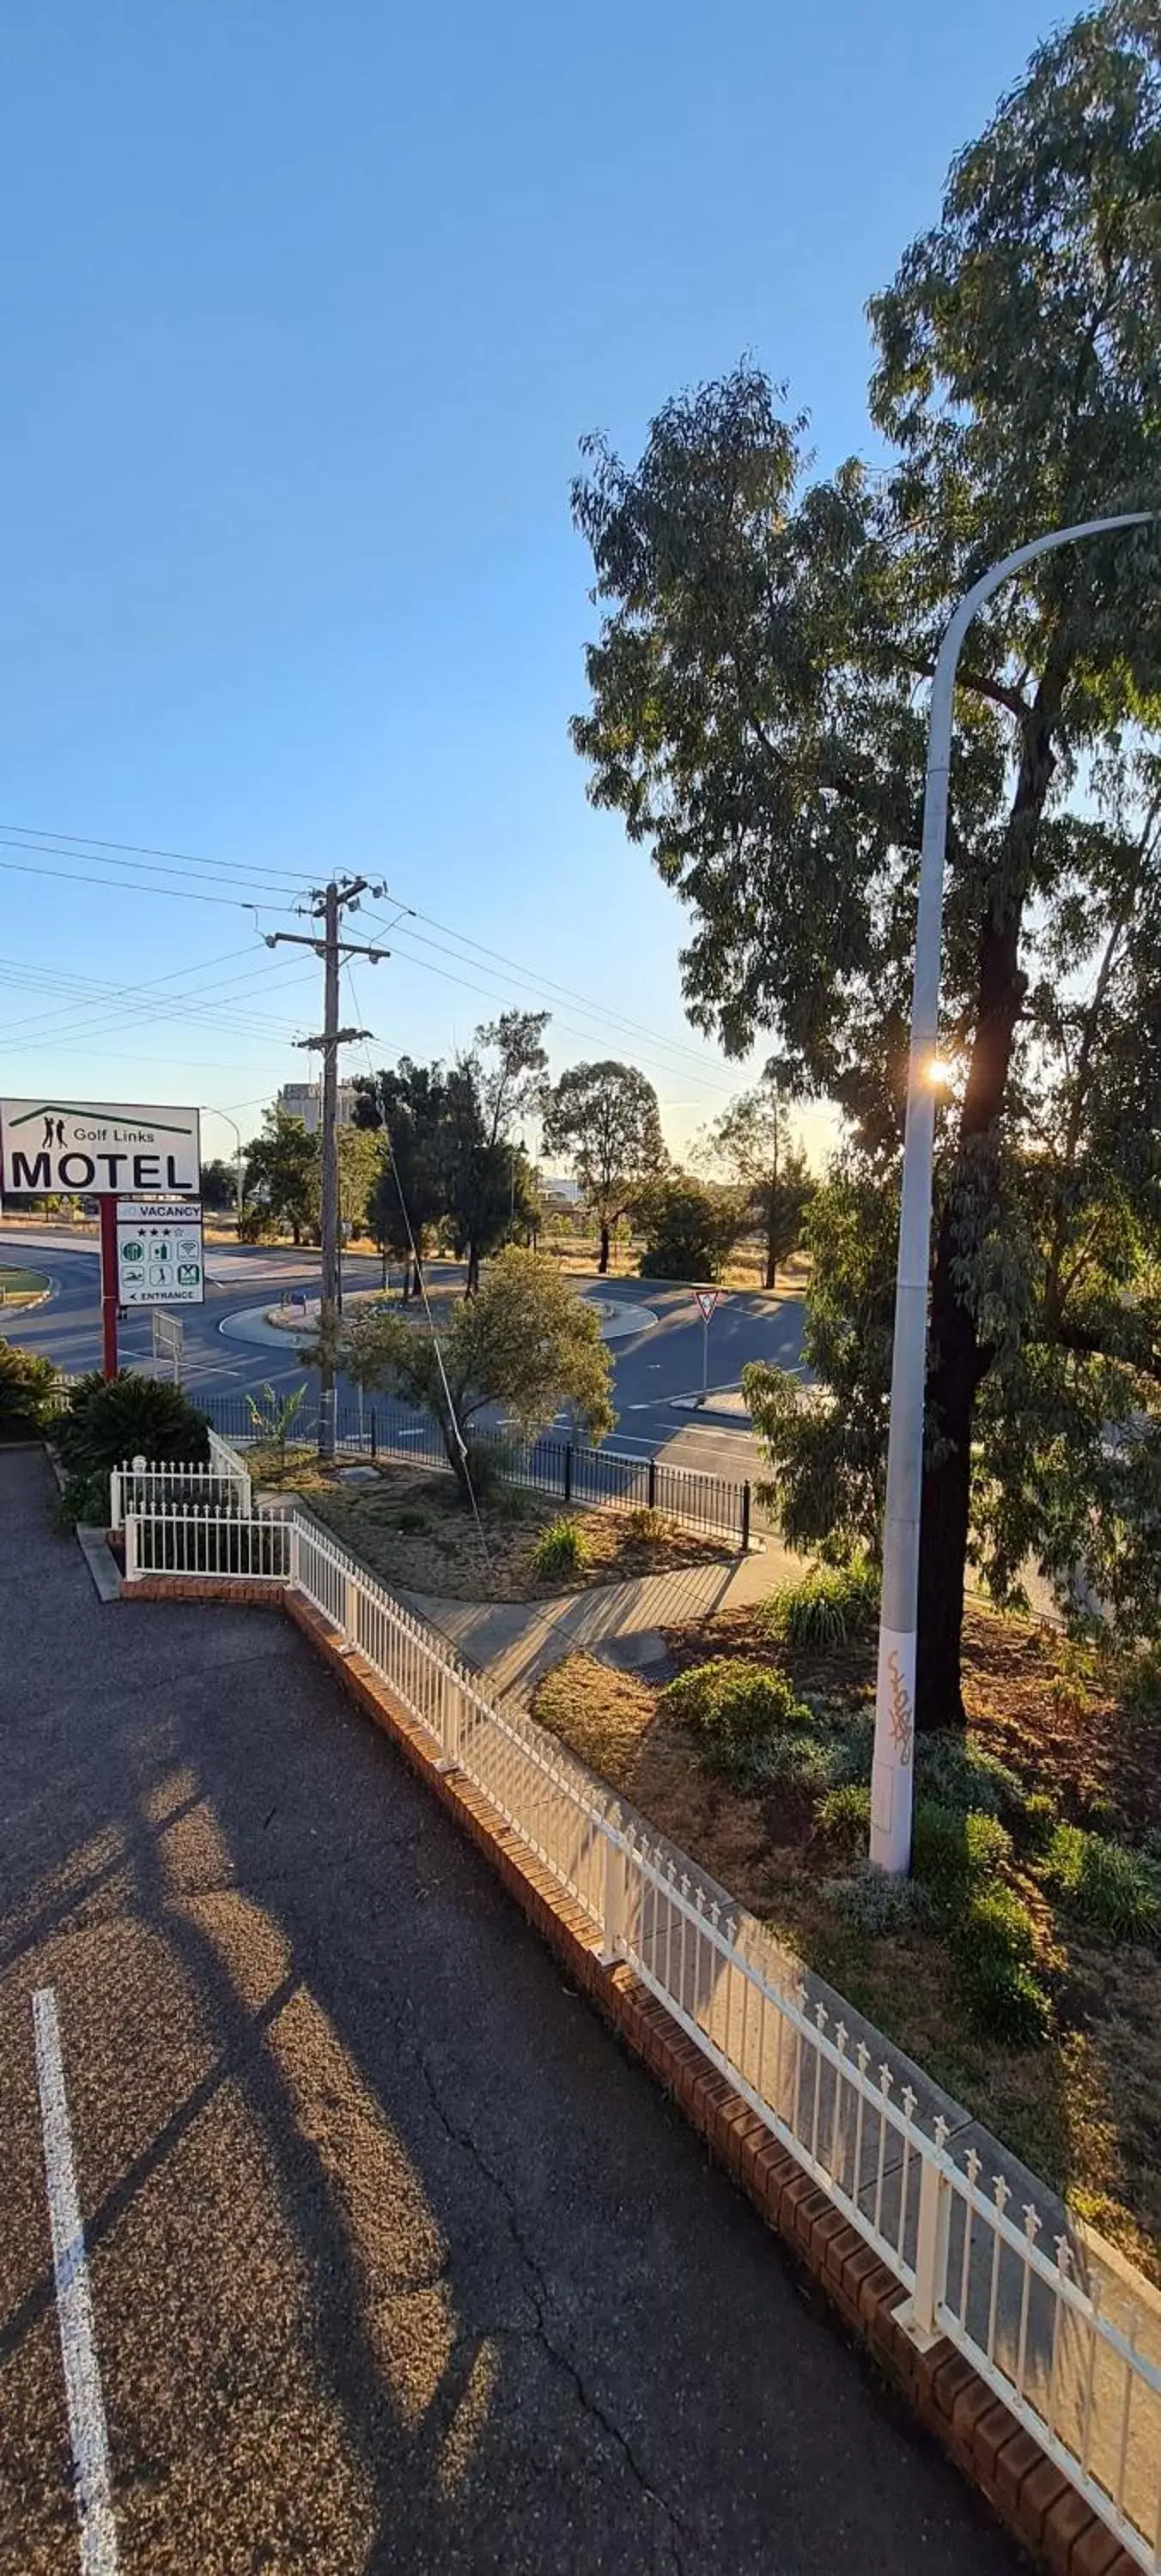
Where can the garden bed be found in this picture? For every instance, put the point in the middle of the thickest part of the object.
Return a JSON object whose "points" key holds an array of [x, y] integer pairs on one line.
{"points": [[1070, 1771], [410, 1527]]}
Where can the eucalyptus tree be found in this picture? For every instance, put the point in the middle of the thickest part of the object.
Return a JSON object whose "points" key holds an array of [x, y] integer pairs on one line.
{"points": [[758, 718]]}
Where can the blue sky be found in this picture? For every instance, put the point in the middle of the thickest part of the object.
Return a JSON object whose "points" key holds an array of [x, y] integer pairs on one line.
{"points": [[305, 310]]}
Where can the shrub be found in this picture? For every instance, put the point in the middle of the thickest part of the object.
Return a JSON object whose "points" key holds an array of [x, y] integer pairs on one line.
{"points": [[952, 1852], [411, 1521], [958, 1773], [646, 1525], [829, 1605], [995, 1918], [1107, 1885], [84, 1500], [733, 1706], [1140, 1681], [27, 1384], [793, 1757], [877, 1905], [562, 1548], [1005, 2001], [844, 1816], [1037, 1824], [108, 1423], [993, 1946]]}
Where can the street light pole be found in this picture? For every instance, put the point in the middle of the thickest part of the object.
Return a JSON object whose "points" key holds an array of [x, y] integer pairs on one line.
{"points": [[891, 1776], [232, 1122]]}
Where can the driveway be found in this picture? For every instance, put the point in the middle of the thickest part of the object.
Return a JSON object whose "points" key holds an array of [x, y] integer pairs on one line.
{"points": [[396, 2261]]}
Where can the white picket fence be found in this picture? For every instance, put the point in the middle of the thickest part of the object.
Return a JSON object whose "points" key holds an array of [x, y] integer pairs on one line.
{"points": [[155, 1486], [1033, 2318]]}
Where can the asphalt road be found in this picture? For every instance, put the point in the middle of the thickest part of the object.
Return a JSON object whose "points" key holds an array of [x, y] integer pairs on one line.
{"points": [[397, 2262], [665, 1361]]}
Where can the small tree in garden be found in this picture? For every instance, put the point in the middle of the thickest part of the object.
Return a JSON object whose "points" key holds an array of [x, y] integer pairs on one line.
{"points": [[273, 1417], [525, 1342]]}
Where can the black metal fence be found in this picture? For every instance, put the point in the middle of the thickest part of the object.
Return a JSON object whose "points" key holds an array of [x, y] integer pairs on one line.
{"points": [[598, 1479]]}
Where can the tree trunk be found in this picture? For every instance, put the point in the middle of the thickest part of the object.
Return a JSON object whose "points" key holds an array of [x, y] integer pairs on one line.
{"points": [[953, 1375], [455, 1459], [771, 1262], [603, 1263], [472, 1282], [956, 1359]]}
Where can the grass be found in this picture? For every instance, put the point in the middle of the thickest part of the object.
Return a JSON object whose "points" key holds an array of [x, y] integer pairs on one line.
{"points": [[1021, 1964], [409, 1526], [18, 1286]]}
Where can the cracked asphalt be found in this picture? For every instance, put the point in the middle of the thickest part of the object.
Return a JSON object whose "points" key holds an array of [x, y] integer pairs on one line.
{"points": [[397, 2261]]}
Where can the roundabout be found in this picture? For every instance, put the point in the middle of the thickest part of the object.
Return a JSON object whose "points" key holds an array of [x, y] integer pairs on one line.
{"points": [[271, 1326]]}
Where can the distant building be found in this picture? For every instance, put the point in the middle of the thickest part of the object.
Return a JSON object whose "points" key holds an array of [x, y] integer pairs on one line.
{"points": [[304, 1100], [560, 1185]]}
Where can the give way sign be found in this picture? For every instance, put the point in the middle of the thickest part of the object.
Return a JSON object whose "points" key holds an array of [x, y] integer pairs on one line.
{"points": [[707, 1299]]}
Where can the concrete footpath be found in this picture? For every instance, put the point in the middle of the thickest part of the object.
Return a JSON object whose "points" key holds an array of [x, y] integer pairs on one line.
{"points": [[396, 2261], [516, 1642]]}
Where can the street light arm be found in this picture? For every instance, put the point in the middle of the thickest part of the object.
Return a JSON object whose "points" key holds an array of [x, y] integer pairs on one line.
{"points": [[891, 1778]]}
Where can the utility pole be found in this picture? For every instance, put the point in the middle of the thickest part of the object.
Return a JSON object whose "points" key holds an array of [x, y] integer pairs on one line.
{"points": [[327, 904]]}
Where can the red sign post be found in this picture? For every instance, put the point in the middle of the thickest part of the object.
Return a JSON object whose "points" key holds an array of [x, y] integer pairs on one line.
{"points": [[109, 1298]]}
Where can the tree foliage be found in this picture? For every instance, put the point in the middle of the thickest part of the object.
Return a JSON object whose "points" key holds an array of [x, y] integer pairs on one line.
{"points": [[751, 1141], [525, 1342], [361, 1157], [513, 1070], [690, 1227], [219, 1185], [603, 1119], [453, 1160], [283, 1171], [406, 1103], [758, 718]]}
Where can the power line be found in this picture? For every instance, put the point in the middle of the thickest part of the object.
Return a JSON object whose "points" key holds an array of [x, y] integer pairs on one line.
{"points": [[288, 879], [177, 894], [141, 1007], [546, 984], [585, 1036], [92, 842]]}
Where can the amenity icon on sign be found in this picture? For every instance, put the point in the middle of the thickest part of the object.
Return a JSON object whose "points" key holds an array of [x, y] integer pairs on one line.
{"points": [[159, 1252]]}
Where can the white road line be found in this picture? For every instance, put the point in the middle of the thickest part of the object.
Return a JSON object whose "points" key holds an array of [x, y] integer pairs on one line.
{"points": [[86, 2405]]}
